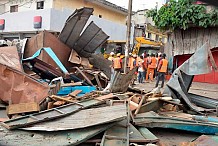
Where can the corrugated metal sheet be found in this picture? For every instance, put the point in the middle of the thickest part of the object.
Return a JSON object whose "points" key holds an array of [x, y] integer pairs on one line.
{"points": [[83, 119], [74, 26], [90, 40], [54, 138], [46, 115], [182, 77]]}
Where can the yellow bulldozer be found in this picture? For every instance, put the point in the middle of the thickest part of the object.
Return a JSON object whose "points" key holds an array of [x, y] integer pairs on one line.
{"points": [[143, 44]]}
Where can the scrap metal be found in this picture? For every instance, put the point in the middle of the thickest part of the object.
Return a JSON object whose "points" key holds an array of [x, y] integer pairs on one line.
{"points": [[9, 56], [83, 119], [67, 137], [50, 114], [18, 87], [74, 26], [182, 77]]}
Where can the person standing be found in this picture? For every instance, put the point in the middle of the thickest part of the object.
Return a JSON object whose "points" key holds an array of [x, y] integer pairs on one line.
{"points": [[141, 70], [162, 69], [151, 68], [117, 63], [131, 61]]}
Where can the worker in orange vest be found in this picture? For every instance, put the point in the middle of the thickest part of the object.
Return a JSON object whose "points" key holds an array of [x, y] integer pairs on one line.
{"points": [[117, 63], [151, 67], [131, 61], [162, 69]]}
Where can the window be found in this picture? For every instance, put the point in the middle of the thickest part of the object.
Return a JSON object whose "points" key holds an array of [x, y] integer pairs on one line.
{"points": [[40, 5], [100, 16], [157, 38], [149, 35], [163, 39], [14, 8]]}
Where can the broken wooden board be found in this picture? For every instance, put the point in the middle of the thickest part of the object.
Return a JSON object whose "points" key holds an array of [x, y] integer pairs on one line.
{"points": [[104, 97], [75, 93], [22, 108], [120, 82], [76, 59], [50, 114], [71, 84], [54, 138], [83, 119]]}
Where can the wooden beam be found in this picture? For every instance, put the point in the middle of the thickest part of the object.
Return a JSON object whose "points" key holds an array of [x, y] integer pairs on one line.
{"points": [[74, 93], [22, 108]]}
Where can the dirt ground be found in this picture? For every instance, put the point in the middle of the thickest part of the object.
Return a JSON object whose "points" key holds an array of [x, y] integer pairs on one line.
{"points": [[172, 137]]}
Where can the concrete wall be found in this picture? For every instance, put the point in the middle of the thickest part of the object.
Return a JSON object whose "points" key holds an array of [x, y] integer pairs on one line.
{"points": [[106, 13], [54, 20]]}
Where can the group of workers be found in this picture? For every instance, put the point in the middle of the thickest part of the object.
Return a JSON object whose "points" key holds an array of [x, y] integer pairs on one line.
{"points": [[148, 66]]}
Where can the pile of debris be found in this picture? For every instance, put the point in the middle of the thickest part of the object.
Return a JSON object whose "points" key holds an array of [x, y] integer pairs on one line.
{"points": [[52, 94]]}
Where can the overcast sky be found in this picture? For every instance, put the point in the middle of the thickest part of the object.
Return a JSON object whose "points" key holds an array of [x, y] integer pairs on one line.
{"points": [[138, 4]]}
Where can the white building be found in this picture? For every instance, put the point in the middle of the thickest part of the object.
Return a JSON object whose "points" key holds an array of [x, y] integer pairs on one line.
{"points": [[18, 16]]}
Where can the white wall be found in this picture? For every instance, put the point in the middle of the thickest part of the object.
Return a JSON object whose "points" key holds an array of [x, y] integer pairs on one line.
{"points": [[26, 5]]}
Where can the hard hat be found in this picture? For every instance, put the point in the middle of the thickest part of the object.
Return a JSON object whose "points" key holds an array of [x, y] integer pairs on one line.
{"points": [[118, 54], [112, 53], [130, 54], [134, 55]]}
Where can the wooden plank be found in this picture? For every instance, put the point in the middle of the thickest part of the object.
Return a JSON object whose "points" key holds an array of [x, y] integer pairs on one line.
{"points": [[64, 99], [22, 108], [104, 97], [75, 93], [71, 84]]}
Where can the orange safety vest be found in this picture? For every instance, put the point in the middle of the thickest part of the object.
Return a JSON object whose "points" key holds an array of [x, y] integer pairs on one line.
{"points": [[145, 63], [117, 63], [131, 63], [153, 63], [164, 66]]}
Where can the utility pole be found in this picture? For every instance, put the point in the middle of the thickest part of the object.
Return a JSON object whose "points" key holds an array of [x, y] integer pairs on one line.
{"points": [[128, 35]]}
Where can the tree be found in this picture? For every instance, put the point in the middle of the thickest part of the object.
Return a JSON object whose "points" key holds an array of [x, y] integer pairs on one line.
{"points": [[183, 14]]}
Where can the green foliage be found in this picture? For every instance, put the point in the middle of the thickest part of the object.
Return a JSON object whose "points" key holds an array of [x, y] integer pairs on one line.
{"points": [[183, 14]]}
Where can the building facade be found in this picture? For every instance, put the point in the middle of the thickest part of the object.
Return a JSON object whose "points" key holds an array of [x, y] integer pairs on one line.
{"points": [[18, 17], [145, 27]]}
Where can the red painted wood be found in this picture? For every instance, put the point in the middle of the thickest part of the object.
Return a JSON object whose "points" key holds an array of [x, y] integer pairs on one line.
{"points": [[206, 78]]}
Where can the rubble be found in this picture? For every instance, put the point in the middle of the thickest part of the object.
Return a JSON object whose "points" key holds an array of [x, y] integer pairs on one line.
{"points": [[54, 94]]}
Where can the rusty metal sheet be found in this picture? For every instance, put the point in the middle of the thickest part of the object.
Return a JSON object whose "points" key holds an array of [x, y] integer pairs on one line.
{"points": [[50, 114], [99, 62], [9, 56], [182, 77], [74, 26], [46, 39], [18, 87], [90, 40], [83, 119], [75, 58], [120, 82], [205, 140], [57, 138]]}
